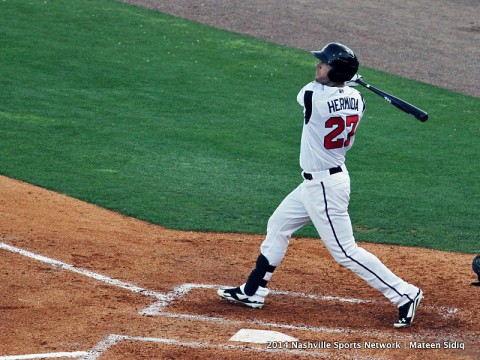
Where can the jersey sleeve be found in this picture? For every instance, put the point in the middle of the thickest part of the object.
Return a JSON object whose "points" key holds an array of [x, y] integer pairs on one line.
{"points": [[300, 97], [301, 94]]}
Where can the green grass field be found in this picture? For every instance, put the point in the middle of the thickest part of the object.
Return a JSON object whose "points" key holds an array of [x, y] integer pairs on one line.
{"points": [[196, 128]]}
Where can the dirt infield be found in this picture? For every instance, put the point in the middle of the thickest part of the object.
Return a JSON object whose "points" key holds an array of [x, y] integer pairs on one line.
{"points": [[88, 283]]}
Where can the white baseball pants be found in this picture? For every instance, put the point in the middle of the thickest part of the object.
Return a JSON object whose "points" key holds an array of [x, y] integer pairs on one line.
{"points": [[324, 200]]}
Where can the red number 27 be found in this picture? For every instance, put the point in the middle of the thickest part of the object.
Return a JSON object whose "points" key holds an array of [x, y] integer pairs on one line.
{"points": [[331, 140]]}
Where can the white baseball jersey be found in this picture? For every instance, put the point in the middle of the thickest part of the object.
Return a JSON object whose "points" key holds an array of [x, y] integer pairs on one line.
{"points": [[331, 117]]}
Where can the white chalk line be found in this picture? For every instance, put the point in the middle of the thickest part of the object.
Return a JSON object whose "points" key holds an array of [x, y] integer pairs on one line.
{"points": [[75, 354], [164, 299], [88, 273], [392, 334], [321, 297], [112, 340], [253, 322], [183, 289]]}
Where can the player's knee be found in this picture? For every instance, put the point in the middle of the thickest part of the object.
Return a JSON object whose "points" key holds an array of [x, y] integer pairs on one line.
{"points": [[344, 255], [276, 253], [342, 259], [273, 225]]}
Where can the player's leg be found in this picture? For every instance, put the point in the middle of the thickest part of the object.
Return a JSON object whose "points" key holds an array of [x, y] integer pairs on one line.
{"points": [[289, 216], [327, 204]]}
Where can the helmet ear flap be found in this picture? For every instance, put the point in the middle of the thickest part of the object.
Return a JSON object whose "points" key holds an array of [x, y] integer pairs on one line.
{"points": [[343, 69], [335, 76]]}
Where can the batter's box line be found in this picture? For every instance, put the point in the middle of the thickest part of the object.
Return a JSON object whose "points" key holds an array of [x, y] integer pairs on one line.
{"points": [[181, 290], [87, 273], [164, 299]]}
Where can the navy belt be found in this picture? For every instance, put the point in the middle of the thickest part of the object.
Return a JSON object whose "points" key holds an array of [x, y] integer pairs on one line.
{"points": [[332, 171]]}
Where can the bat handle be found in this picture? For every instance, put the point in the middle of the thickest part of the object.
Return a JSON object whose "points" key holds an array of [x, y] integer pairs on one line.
{"points": [[363, 83]]}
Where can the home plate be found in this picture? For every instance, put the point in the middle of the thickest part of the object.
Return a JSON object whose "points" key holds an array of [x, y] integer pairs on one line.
{"points": [[260, 336]]}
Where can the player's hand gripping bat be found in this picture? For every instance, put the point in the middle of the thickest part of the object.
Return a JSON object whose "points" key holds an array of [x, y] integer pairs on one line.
{"points": [[395, 101]]}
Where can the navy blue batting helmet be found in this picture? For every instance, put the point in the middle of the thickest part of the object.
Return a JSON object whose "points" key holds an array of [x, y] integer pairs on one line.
{"points": [[343, 61]]}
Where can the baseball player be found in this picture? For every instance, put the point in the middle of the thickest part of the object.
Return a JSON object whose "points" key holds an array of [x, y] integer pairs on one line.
{"points": [[332, 112]]}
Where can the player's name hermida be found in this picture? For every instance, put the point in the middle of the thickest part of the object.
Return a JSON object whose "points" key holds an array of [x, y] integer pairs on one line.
{"points": [[342, 104], [302, 345]]}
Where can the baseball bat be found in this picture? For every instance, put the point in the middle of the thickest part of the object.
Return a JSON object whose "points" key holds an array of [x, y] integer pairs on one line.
{"points": [[397, 102]]}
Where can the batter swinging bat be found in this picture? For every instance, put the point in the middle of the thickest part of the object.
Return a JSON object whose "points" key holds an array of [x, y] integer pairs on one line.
{"points": [[395, 101]]}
